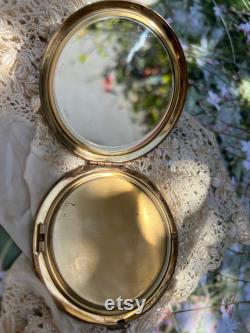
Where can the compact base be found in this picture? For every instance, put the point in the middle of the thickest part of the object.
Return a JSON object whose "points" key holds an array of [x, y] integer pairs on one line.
{"points": [[104, 234]]}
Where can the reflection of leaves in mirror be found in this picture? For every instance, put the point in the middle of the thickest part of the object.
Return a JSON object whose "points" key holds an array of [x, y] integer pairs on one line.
{"points": [[83, 57], [147, 78], [141, 68]]}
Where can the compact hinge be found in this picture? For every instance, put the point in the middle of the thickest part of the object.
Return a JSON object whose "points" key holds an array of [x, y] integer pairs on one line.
{"points": [[102, 163], [41, 231]]}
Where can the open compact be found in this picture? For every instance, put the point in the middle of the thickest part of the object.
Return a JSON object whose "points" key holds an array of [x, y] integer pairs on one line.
{"points": [[113, 84]]}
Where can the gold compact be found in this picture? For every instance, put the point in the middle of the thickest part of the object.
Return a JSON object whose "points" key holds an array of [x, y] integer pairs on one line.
{"points": [[112, 85]]}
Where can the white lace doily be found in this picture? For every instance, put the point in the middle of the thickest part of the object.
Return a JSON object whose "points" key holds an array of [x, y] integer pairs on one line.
{"points": [[186, 167]]}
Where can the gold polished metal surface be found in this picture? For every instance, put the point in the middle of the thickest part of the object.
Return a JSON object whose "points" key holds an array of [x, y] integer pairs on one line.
{"points": [[104, 233], [101, 230], [84, 17]]}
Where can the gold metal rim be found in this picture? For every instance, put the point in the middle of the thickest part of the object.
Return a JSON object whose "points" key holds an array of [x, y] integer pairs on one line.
{"points": [[167, 36], [48, 272]]}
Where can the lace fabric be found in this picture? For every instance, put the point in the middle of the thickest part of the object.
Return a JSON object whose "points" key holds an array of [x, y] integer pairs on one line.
{"points": [[186, 167]]}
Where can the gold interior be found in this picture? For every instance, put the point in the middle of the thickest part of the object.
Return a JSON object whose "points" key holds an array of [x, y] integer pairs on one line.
{"points": [[103, 229], [102, 234]]}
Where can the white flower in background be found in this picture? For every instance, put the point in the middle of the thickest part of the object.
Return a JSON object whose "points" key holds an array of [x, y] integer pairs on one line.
{"points": [[196, 16], [170, 20], [204, 44], [203, 280], [244, 89], [227, 325], [184, 45], [246, 165], [245, 28], [218, 10], [201, 53], [247, 291], [187, 320], [214, 99], [193, 321], [224, 92], [233, 183], [236, 247], [245, 147], [180, 16], [216, 36], [227, 306]]}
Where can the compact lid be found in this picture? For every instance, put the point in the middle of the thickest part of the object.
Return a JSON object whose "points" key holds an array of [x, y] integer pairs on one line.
{"points": [[113, 81]]}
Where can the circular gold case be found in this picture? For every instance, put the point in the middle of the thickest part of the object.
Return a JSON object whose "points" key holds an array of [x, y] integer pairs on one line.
{"points": [[104, 231]]}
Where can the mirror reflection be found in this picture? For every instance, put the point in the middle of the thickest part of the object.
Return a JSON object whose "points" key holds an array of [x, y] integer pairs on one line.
{"points": [[112, 82]]}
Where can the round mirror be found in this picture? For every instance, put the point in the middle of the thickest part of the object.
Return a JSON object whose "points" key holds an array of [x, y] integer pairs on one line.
{"points": [[113, 81]]}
